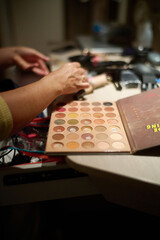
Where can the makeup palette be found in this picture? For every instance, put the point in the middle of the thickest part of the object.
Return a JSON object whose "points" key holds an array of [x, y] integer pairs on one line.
{"points": [[90, 127]]}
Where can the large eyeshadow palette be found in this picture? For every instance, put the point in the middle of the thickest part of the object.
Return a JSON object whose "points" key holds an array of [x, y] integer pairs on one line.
{"points": [[82, 126], [126, 126]]}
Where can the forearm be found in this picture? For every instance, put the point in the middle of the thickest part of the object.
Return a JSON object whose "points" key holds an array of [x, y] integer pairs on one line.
{"points": [[27, 102]]}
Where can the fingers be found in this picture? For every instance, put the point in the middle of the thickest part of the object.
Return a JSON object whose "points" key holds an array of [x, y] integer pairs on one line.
{"points": [[22, 63], [41, 56], [38, 67]]}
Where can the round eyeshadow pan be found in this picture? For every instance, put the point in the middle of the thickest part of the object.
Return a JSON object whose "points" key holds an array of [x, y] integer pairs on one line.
{"points": [[73, 109], [58, 129], [116, 136], [107, 104], [85, 115], [84, 103], [97, 109], [60, 115], [86, 121], [99, 121], [86, 129], [88, 145], [87, 136], [72, 145], [96, 103], [72, 115], [100, 128], [72, 129], [57, 145], [118, 145], [72, 136], [58, 136], [72, 121], [73, 104], [114, 128], [101, 136], [103, 145], [109, 109], [59, 121], [112, 115], [61, 109], [98, 115], [112, 121], [85, 109]]}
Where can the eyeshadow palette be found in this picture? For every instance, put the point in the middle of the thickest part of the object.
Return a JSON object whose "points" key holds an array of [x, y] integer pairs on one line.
{"points": [[86, 127]]}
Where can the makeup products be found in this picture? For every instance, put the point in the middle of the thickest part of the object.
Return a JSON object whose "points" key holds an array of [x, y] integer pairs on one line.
{"points": [[126, 126]]}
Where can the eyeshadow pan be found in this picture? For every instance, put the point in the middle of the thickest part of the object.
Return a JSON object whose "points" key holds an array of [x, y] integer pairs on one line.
{"points": [[96, 103], [86, 121], [112, 115], [87, 136], [86, 129], [72, 115], [59, 122], [61, 109], [99, 121], [57, 145], [88, 145], [60, 115], [85, 109], [72, 145], [84, 103], [72, 121], [98, 115], [103, 145], [58, 129], [85, 115], [73, 104], [58, 136], [97, 109], [100, 128], [73, 109], [109, 109], [112, 121], [72, 136], [118, 145], [72, 129], [101, 136], [114, 128], [116, 136], [107, 104]]}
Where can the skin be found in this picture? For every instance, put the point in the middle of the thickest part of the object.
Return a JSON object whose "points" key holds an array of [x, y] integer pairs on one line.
{"points": [[27, 102], [26, 58]]}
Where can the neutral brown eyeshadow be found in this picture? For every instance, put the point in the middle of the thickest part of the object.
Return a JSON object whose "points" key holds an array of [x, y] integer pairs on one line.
{"points": [[58, 136], [72, 136], [100, 128], [88, 145]]}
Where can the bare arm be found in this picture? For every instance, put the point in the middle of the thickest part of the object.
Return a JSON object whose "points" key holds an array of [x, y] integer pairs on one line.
{"points": [[27, 102]]}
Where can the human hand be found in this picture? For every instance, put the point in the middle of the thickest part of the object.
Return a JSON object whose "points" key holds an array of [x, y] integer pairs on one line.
{"points": [[30, 59], [71, 77]]}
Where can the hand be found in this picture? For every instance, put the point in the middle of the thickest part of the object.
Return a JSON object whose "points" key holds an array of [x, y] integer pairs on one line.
{"points": [[70, 78], [30, 59]]}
